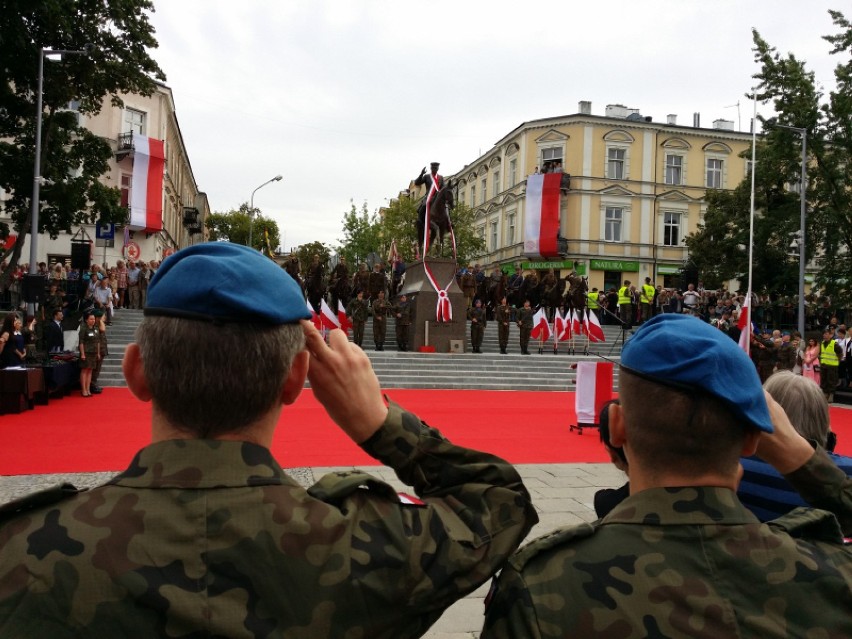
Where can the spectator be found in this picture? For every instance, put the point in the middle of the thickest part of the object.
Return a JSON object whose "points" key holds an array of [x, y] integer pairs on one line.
{"points": [[830, 354], [762, 489], [206, 535], [681, 556], [608, 498]]}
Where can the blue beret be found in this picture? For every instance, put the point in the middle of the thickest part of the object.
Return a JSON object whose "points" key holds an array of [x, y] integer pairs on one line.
{"points": [[225, 282], [685, 352]]}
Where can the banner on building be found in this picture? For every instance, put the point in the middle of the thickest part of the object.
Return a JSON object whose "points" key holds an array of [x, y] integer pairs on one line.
{"points": [[146, 196], [541, 221]]}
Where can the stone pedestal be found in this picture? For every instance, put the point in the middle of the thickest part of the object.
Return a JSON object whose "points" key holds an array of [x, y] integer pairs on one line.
{"points": [[424, 301]]}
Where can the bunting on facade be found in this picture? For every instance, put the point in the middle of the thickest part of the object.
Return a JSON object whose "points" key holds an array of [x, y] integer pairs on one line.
{"points": [[541, 219], [146, 196]]}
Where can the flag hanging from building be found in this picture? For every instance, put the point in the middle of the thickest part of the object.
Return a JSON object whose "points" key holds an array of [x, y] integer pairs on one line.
{"points": [[146, 195], [541, 216]]}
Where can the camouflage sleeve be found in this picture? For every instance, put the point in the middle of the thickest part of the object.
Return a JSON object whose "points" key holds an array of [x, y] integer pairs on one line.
{"points": [[477, 508], [509, 610], [823, 485]]}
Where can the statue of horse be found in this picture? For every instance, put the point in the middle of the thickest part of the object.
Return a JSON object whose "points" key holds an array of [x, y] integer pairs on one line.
{"points": [[440, 223]]}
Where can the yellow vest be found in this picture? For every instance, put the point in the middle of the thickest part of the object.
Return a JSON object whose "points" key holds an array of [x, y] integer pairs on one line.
{"points": [[827, 356], [647, 294], [593, 300], [624, 296]]}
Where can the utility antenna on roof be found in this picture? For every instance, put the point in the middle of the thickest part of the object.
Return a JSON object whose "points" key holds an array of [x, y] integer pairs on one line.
{"points": [[739, 118]]}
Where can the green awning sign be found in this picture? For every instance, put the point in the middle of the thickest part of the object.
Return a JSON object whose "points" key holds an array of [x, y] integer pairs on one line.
{"points": [[564, 264], [668, 269], [615, 265]]}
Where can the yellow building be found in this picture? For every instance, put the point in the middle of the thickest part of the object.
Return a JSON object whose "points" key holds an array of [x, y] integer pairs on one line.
{"points": [[636, 190], [184, 207]]}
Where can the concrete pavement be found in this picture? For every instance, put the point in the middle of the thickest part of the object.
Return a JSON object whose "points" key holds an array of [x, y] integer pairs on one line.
{"points": [[562, 494]]}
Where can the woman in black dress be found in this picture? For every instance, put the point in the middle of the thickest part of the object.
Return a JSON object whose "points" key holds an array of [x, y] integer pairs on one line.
{"points": [[12, 348], [90, 352]]}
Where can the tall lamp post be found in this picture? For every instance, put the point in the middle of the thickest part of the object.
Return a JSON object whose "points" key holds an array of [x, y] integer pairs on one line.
{"points": [[37, 179], [803, 184], [277, 178]]}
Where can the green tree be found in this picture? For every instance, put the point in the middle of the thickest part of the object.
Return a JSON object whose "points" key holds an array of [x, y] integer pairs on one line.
{"points": [[233, 226], [120, 36], [799, 102], [305, 253], [361, 235]]}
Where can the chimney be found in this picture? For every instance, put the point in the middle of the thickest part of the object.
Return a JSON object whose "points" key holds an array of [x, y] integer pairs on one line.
{"points": [[696, 120], [585, 107], [671, 118], [723, 125], [619, 111]]}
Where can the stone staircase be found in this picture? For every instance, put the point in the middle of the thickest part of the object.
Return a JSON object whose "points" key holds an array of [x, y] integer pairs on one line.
{"points": [[486, 371]]}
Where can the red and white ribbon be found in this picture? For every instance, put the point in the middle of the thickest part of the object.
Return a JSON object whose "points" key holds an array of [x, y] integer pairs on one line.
{"points": [[443, 309]]}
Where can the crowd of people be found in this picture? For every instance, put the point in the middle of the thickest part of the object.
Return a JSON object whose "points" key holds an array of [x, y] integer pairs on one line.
{"points": [[205, 533]]}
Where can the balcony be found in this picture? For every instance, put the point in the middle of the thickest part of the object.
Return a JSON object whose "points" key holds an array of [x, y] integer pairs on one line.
{"points": [[190, 220], [124, 146]]}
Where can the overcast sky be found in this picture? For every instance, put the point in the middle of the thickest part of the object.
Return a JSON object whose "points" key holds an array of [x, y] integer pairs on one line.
{"points": [[348, 100]]}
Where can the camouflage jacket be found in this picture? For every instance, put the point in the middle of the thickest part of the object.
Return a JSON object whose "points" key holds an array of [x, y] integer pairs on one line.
{"points": [[201, 538], [686, 562], [357, 310]]}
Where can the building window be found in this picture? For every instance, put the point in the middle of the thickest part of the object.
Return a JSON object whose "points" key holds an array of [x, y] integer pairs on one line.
{"points": [[612, 223], [494, 244], [671, 228], [513, 172], [615, 163], [480, 233], [714, 173], [472, 195], [674, 169], [510, 229], [484, 193], [550, 158], [126, 184], [134, 122], [496, 188]]}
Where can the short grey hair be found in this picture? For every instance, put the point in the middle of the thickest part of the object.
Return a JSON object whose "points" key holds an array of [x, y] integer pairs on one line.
{"points": [[209, 379], [804, 403]]}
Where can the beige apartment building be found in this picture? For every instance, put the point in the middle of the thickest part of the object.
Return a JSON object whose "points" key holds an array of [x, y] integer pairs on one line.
{"points": [[184, 207], [636, 190]]}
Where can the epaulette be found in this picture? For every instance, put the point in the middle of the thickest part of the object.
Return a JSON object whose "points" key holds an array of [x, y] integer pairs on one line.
{"points": [[33, 501], [333, 488], [553, 539], [812, 524]]}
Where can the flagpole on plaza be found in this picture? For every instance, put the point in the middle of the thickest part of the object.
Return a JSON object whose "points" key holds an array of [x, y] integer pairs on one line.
{"points": [[747, 341]]}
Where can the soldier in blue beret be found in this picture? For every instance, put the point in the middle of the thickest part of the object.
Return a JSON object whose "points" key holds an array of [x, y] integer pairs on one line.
{"points": [[681, 556], [205, 534]]}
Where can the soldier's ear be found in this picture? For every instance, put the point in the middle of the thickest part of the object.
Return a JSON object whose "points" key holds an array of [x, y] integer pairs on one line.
{"points": [[295, 381], [134, 373], [617, 434]]}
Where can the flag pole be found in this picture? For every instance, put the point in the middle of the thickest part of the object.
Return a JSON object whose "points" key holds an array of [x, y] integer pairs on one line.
{"points": [[747, 341]]}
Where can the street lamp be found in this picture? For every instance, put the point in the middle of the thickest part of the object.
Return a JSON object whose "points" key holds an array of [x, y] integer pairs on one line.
{"points": [[803, 183], [277, 178], [37, 179]]}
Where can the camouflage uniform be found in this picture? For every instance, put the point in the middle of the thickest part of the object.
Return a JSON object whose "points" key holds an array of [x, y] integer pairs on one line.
{"points": [[403, 321], [503, 315], [381, 308], [687, 562], [525, 323], [357, 310], [476, 315], [202, 538]]}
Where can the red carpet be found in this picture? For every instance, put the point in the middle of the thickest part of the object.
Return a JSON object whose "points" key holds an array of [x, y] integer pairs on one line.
{"points": [[75, 434]]}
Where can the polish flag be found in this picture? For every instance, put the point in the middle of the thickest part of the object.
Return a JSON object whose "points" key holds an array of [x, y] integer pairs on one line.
{"points": [[576, 324], [315, 319], [541, 327], [541, 216], [146, 193], [744, 324], [561, 328], [327, 317], [593, 327], [594, 389], [345, 324]]}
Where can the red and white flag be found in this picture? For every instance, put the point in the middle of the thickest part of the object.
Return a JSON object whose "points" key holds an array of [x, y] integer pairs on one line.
{"points": [[561, 328], [593, 327], [327, 317], [146, 193], [594, 389], [541, 216], [315, 319], [345, 324], [744, 324], [576, 324], [541, 327]]}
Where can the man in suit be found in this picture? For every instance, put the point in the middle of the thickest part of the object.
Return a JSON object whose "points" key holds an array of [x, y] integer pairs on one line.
{"points": [[53, 332]]}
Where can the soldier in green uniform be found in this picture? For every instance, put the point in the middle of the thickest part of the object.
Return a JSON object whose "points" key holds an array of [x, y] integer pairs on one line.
{"points": [[357, 310], [503, 316], [381, 308], [681, 556], [476, 315], [525, 323], [205, 535], [402, 311]]}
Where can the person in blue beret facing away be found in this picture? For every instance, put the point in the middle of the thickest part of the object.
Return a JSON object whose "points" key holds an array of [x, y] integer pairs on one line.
{"points": [[681, 556], [204, 535]]}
